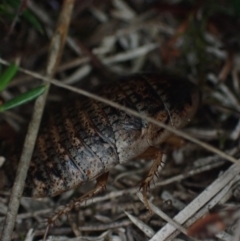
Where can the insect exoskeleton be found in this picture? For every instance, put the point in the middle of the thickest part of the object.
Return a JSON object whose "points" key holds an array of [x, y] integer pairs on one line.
{"points": [[86, 138]]}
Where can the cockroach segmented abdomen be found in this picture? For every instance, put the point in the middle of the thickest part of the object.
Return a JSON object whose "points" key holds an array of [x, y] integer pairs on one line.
{"points": [[86, 138]]}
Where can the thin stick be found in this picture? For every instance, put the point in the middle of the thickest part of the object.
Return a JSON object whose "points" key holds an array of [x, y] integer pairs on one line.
{"points": [[55, 50], [164, 216], [131, 112], [207, 199]]}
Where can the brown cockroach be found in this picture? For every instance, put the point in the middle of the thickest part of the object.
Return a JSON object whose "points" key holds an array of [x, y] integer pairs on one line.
{"points": [[85, 139]]}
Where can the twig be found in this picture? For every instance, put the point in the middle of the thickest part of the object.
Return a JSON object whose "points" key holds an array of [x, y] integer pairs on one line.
{"points": [[43, 16], [55, 51], [164, 216], [21, 7], [141, 225], [200, 205]]}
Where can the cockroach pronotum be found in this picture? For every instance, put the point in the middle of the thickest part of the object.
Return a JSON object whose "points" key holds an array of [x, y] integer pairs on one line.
{"points": [[85, 139]]}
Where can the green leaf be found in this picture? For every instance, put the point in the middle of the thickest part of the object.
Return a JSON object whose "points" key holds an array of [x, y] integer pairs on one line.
{"points": [[5, 11], [7, 76], [11, 7], [236, 4], [23, 98], [30, 17]]}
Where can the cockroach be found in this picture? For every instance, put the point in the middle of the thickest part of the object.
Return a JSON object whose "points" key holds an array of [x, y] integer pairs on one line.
{"points": [[86, 138]]}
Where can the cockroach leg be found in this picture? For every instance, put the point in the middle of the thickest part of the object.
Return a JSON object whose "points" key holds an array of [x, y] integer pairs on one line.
{"points": [[100, 186], [146, 182]]}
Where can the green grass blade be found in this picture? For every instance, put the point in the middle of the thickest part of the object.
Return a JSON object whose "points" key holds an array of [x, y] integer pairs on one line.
{"points": [[30, 17], [7, 76], [23, 98], [7, 7], [236, 5]]}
